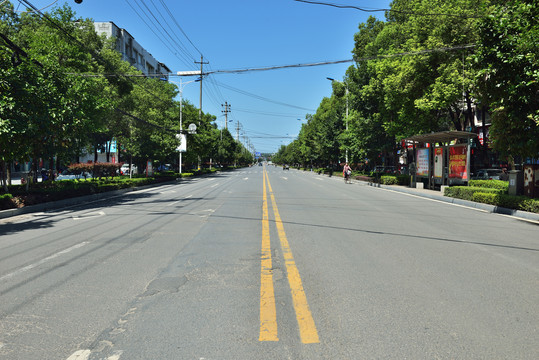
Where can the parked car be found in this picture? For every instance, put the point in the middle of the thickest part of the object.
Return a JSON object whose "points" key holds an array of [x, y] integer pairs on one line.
{"points": [[163, 167], [487, 174], [385, 169], [125, 169], [286, 167], [70, 175]]}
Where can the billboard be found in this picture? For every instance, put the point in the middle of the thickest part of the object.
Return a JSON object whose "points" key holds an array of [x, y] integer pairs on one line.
{"points": [[459, 162], [438, 162], [422, 166]]}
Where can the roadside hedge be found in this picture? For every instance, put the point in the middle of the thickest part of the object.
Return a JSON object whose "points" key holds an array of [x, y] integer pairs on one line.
{"points": [[507, 201], [5, 201], [491, 184], [467, 192], [395, 180]]}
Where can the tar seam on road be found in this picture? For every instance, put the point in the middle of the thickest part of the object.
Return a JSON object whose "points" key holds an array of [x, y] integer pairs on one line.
{"points": [[307, 327]]}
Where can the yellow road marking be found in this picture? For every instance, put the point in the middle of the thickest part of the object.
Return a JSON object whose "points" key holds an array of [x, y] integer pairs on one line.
{"points": [[307, 327], [268, 314]]}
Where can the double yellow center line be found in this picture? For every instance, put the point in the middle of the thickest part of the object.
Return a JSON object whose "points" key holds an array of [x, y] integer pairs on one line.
{"points": [[268, 313]]}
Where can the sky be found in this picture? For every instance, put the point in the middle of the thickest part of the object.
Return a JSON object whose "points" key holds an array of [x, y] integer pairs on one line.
{"points": [[269, 106]]}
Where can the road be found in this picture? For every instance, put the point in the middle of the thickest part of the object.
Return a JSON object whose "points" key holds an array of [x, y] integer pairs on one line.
{"points": [[262, 263]]}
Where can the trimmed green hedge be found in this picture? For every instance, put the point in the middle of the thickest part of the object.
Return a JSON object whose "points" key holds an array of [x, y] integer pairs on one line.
{"points": [[395, 180], [466, 192], [5, 201], [507, 201], [491, 184]]}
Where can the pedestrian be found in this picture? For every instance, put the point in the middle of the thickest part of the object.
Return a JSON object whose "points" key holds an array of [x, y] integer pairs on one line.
{"points": [[346, 173]]}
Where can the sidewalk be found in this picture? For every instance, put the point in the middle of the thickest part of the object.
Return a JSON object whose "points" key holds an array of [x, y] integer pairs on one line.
{"points": [[437, 195]]}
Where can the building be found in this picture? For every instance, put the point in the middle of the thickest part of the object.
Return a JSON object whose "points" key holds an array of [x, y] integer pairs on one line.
{"points": [[132, 51], [139, 58]]}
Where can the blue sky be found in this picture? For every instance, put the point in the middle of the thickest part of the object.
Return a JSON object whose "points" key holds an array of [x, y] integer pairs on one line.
{"points": [[238, 34]]}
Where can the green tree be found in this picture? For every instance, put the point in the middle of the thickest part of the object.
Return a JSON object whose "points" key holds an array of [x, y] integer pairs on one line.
{"points": [[507, 60]]}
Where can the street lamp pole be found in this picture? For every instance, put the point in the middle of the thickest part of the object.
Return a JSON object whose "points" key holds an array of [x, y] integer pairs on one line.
{"points": [[346, 97], [180, 88]]}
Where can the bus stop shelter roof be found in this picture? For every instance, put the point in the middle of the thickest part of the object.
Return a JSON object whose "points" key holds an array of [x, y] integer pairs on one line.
{"points": [[441, 137]]}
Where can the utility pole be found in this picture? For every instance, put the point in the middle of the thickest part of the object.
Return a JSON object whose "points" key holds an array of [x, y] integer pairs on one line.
{"points": [[201, 77], [226, 111], [238, 131]]}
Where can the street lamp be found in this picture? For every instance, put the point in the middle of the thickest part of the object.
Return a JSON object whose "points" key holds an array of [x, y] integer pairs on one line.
{"points": [[346, 96], [180, 88]]}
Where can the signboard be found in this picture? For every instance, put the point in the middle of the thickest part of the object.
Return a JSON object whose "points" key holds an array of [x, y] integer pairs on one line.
{"points": [[458, 162], [183, 142], [257, 155], [149, 169], [438, 162], [422, 166]]}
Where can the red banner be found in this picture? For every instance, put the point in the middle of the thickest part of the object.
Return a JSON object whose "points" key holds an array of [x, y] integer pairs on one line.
{"points": [[458, 161]]}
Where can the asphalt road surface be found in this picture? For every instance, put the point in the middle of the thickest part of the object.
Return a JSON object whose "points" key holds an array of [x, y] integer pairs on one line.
{"points": [[262, 263]]}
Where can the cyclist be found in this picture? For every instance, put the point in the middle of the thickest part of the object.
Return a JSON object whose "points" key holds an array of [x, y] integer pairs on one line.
{"points": [[346, 173]]}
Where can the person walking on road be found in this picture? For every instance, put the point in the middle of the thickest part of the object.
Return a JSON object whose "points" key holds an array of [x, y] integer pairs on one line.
{"points": [[346, 173]]}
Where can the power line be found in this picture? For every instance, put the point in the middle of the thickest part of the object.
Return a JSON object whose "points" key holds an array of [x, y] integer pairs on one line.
{"points": [[185, 60], [260, 97], [388, 10], [178, 25], [94, 55]]}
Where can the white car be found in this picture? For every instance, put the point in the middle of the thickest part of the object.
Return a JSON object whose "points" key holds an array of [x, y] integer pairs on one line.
{"points": [[125, 169], [69, 175]]}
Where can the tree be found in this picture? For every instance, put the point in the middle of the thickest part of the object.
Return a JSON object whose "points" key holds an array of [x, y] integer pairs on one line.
{"points": [[507, 61]]}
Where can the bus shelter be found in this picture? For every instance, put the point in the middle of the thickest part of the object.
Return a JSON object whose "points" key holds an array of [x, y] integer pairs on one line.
{"points": [[441, 158]]}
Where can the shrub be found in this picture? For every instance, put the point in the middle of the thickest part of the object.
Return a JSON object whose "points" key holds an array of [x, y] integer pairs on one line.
{"points": [[98, 169], [507, 201], [5, 201], [491, 184], [466, 192], [395, 179], [389, 180]]}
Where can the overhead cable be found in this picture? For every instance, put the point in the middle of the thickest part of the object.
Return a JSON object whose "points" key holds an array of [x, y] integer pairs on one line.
{"points": [[388, 10]]}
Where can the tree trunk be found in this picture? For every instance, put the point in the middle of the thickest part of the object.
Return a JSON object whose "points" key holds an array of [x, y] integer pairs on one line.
{"points": [[484, 148], [107, 150], [469, 112], [4, 180], [455, 118]]}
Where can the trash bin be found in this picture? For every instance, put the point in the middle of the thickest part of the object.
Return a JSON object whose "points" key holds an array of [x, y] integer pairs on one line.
{"points": [[516, 182]]}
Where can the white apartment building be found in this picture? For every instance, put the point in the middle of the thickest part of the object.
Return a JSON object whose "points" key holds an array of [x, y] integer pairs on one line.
{"points": [[132, 51], [139, 58]]}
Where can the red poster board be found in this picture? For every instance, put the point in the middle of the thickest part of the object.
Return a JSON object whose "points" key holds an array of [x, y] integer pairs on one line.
{"points": [[458, 162]]}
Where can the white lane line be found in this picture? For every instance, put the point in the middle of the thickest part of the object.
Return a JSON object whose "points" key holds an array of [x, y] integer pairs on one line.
{"points": [[214, 185], [168, 192], [189, 196], [80, 355], [42, 261], [89, 215], [173, 203], [284, 178], [317, 178], [245, 178]]}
